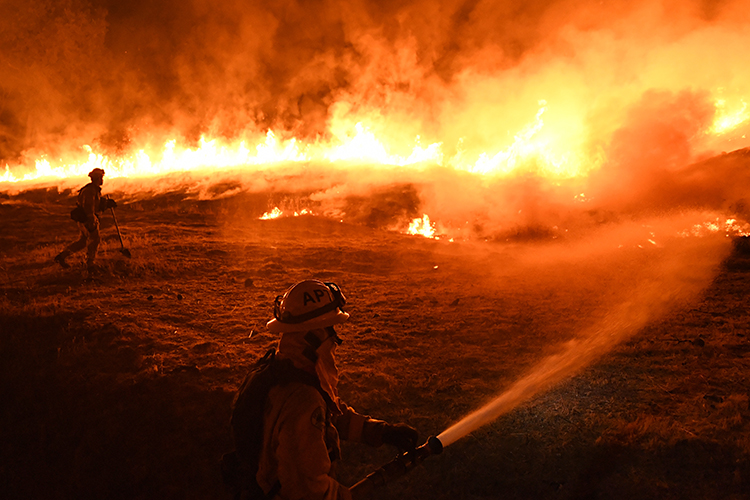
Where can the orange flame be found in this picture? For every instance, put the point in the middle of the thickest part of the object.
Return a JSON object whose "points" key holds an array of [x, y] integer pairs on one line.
{"points": [[273, 214], [535, 148], [360, 145], [731, 227], [729, 119], [277, 213], [422, 227]]}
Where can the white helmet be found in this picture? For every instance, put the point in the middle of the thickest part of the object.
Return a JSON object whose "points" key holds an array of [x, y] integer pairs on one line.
{"points": [[308, 305]]}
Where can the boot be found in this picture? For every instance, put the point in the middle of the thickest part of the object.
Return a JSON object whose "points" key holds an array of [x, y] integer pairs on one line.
{"points": [[60, 259]]}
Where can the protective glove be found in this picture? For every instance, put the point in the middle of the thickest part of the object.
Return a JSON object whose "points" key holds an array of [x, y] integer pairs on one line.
{"points": [[401, 436], [106, 203], [102, 205]]}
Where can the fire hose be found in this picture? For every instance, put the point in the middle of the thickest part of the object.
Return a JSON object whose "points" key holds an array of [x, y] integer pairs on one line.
{"points": [[395, 468]]}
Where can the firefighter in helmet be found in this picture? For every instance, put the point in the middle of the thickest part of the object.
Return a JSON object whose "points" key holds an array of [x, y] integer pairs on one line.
{"points": [[90, 204], [302, 424]]}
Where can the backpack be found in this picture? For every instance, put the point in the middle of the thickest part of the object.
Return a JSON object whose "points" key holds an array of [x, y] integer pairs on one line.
{"points": [[239, 468], [78, 214]]}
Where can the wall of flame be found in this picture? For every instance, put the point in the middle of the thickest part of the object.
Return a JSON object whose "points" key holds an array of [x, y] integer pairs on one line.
{"points": [[497, 110]]}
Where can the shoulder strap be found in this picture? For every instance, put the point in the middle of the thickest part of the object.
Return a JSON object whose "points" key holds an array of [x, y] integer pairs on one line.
{"points": [[80, 193]]}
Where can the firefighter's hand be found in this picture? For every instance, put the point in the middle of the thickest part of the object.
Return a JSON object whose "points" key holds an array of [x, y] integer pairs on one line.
{"points": [[401, 436], [111, 203]]}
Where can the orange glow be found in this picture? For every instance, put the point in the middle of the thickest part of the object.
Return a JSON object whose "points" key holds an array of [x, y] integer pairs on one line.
{"points": [[731, 227], [422, 227], [273, 214], [493, 106], [727, 118], [536, 147], [277, 213], [602, 113], [528, 146]]}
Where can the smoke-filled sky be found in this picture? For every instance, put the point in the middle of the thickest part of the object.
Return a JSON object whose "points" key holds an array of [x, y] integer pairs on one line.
{"points": [[632, 93], [112, 72]]}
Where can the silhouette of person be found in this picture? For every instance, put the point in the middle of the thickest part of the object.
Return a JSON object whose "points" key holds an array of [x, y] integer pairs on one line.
{"points": [[91, 204]]}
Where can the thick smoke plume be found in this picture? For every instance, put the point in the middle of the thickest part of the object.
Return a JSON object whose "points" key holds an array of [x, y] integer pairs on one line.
{"points": [[122, 72], [625, 100]]}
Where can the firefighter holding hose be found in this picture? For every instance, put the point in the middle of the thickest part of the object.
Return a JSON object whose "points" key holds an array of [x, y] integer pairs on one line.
{"points": [[90, 204], [288, 418]]}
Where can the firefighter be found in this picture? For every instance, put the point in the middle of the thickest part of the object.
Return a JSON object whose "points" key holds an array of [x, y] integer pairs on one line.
{"points": [[303, 422], [90, 204]]}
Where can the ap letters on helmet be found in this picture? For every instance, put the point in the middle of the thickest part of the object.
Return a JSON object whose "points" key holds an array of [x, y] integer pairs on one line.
{"points": [[306, 297]]}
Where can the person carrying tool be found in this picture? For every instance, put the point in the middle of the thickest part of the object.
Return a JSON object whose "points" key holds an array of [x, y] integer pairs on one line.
{"points": [[288, 418], [90, 204]]}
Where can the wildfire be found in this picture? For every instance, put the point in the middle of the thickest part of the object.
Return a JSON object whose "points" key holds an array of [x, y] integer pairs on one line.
{"points": [[732, 227], [277, 212], [533, 148], [273, 214], [727, 120], [361, 145], [527, 146], [422, 227]]}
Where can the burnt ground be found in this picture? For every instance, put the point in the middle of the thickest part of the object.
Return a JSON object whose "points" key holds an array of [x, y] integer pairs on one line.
{"points": [[120, 386]]}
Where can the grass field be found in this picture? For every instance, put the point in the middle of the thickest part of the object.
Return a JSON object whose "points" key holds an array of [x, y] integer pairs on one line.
{"points": [[120, 386]]}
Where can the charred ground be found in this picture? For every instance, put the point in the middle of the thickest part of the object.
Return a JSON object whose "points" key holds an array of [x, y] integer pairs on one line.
{"points": [[120, 386]]}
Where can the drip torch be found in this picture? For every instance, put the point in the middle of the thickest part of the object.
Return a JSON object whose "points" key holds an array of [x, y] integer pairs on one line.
{"points": [[395, 468]]}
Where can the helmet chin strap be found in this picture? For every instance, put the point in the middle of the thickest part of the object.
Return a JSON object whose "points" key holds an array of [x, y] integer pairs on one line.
{"points": [[314, 342]]}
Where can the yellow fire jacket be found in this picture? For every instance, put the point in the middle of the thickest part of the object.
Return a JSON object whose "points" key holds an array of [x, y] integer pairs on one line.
{"points": [[301, 440]]}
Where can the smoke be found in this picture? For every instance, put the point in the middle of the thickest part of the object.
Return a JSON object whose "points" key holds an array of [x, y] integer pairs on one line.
{"points": [[120, 73], [668, 278], [624, 105], [48, 93], [621, 100]]}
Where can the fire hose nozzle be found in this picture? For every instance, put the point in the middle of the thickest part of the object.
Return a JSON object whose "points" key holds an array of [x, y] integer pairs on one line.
{"points": [[395, 468]]}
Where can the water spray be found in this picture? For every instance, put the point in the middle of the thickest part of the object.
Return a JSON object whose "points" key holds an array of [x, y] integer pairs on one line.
{"points": [[553, 369], [679, 278]]}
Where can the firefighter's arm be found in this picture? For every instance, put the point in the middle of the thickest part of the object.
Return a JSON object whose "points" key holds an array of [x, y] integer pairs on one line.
{"points": [[106, 203], [302, 453], [361, 428]]}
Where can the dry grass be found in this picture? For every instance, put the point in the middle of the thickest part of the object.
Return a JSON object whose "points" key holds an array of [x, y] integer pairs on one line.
{"points": [[119, 387]]}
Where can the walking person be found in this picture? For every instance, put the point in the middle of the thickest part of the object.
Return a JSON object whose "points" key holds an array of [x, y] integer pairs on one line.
{"points": [[288, 418], [90, 204]]}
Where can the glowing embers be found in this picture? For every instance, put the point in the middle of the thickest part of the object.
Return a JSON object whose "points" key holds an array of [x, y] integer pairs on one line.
{"points": [[277, 213], [422, 227], [418, 227], [731, 227], [728, 119]]}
